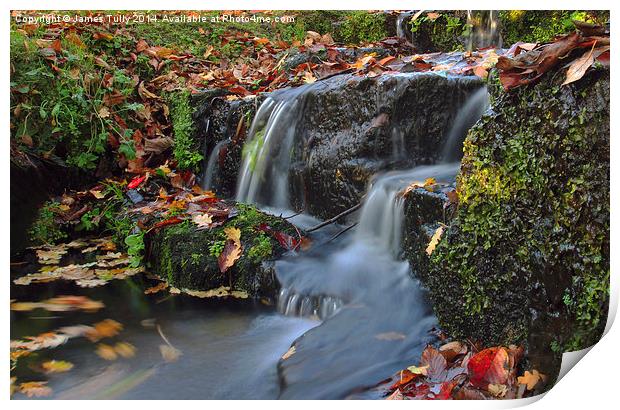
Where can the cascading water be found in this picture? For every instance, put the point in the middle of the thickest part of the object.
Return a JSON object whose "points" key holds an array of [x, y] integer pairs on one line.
{"points": [[467, 116], [263, 178], [212, 166], [484, 26], [384, 318]]}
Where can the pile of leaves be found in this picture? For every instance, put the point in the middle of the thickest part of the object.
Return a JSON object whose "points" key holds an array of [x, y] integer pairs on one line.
{"points": [[461, 371], [577, 51]]}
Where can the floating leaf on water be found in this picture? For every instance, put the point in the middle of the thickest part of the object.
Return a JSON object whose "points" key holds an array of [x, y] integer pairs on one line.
{"points": [[103, 329], [56, 366], [288, 353], [390, 336], [106, 352], [35, 389], [124, 349], [154, 289], [169, 353]]}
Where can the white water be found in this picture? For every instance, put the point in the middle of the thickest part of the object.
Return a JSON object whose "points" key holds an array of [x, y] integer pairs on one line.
{"points": [[467, 116], [263, 178], [212, 168], [484, 29]]}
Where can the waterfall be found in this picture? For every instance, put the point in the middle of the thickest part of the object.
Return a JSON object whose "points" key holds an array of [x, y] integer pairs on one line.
{"points": [[467, 116], [376, 245], [263, 177], [212, 166], [484, 26]]}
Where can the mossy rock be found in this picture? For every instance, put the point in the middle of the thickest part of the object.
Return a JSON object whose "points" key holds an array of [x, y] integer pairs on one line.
{"points": [[187, 257], [526, 259]]}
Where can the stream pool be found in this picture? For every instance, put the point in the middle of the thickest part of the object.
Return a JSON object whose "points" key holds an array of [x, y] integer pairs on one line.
{"points": [[230, 349]]}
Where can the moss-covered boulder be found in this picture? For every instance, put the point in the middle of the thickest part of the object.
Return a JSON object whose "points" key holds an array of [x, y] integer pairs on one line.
{"points": [[187, 257], [528, 251]]}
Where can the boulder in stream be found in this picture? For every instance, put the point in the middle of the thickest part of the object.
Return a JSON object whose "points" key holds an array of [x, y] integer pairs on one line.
{"points": [[187, 257], [526, 258]]}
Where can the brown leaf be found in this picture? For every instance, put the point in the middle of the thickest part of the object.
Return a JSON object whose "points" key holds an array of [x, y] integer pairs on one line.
{"points": [[436, 363], [578, 67]]}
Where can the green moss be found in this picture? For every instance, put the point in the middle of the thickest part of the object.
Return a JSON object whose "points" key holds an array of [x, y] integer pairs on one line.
{"points": [[441, 33], [261, 249], [541, 26], [532, 228], [185, 150], [362, 27], [45, 230], [178, 253]]}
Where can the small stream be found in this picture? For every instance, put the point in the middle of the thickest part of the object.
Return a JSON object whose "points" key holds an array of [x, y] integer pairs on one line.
{"points": [[229, 348]]}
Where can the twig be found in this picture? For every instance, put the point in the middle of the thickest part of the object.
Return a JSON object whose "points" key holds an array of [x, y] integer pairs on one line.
{"points": [[340, 233], [290, 216], [335, 218]]}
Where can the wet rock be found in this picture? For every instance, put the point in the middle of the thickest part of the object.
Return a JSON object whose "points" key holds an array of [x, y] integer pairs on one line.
{"points": [[188, 258], [348, 129], [526, 258], [425, 211], [218, 119], [354, 127]]}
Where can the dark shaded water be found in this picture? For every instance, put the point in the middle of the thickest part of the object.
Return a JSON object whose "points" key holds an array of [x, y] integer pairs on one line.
{"points": [[229, 348]]}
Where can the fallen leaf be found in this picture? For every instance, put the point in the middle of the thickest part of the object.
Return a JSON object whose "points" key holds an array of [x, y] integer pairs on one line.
{"points": [[106, 352], [530, 380], [56, 366], [490, 366], [35, 389], [434, 240], [125, 349], [169, 353], [154, 289]]}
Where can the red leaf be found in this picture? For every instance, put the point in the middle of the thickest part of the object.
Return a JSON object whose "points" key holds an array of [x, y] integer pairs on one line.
{"points": [[490, 366], [286, 240], [136, 182], [171, 221]]}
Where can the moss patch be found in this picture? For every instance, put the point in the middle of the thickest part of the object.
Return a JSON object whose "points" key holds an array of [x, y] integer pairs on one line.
{"points": [[187, 257], [530, 243]]}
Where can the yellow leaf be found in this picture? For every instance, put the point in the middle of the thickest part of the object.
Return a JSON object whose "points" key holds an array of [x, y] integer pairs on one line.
{"points": [[434, 240], [106, 352], [234, 234], [125, 349], [56, 366], [418, 370], [531, 379], [97, 194]]}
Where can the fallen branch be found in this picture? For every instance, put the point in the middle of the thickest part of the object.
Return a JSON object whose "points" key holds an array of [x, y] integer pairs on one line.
{"points": [[340, 233], [335, 218]]}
